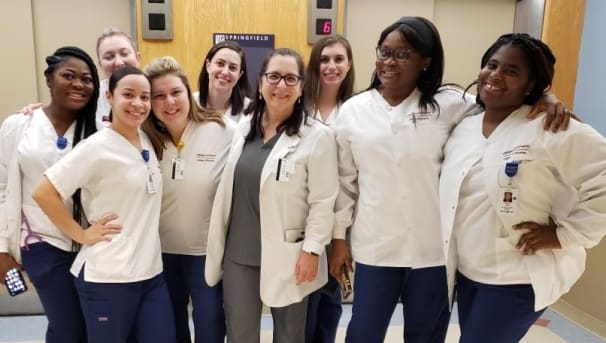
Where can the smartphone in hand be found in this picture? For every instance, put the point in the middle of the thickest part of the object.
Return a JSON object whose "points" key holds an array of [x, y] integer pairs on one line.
{"points": [[346, 286], [15, 284]]}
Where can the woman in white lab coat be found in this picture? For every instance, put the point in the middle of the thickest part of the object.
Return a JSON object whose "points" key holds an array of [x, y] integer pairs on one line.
{"points": [[519, 204], [390, 141], [273, 213], [30, 145], [329, 81]]}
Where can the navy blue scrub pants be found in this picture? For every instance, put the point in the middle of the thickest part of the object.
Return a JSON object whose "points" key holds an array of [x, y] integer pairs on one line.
{"points": [[323, 314], [494, 313], [113, 310], [185, 279], [377, 290], [48, 269]]}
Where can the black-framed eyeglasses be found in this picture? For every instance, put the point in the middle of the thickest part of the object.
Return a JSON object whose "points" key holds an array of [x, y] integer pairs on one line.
{"points": [[399, 54], [289, 80]]}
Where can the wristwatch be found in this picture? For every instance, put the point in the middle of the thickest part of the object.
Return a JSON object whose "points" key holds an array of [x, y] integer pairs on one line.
{"points": [[311, 253]]}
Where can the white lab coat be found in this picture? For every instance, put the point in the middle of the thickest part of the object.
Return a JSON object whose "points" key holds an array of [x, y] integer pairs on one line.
{"points": [[11, 133], [389, 164], [304, 202], [560, 175]]}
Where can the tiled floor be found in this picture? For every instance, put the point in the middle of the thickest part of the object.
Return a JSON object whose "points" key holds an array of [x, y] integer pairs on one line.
{"points": [[552, 329]]}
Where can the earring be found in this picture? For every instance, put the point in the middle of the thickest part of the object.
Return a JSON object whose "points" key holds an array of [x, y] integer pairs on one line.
{"points": [[260, 97], [299, 100], [424, 68]]}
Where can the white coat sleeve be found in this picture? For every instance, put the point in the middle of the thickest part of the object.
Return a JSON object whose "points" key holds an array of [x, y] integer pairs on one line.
{"points": [[348, 178], [8, 143], [456, 105], [579, 155], [323, 185]]}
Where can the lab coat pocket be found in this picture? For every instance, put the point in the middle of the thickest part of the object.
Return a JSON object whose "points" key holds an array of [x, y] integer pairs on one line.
{"points": [[294, 235], [285, 257], [428, 139], [291, 175]]}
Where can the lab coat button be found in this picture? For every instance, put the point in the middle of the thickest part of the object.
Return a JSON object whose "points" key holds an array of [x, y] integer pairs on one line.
{"points": [[453, 208]]}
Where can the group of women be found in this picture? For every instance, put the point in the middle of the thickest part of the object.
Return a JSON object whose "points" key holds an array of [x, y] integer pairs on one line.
{"points": [[185, 205]]}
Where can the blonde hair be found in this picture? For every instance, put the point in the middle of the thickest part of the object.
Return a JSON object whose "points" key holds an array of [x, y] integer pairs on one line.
{"points": [[112, 31], [152, 126]]}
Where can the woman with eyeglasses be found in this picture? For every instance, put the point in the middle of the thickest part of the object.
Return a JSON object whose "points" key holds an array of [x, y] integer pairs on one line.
{"points": [[273, 212], [390, 141]]}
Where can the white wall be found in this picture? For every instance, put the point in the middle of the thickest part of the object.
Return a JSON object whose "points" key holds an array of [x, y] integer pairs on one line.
{"points": [[587, 296], [18, 84], [589, 91], [467, 28], [73, 22], [364, 21], [33, 29]]}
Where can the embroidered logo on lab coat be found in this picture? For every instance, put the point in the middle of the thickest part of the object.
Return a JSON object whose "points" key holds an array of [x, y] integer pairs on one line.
{"points": [[518, 153]]}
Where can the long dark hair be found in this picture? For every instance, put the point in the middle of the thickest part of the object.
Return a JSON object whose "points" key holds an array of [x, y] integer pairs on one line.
{"points": [[240, 91], [312, 86], [299, 113], [85, 117], [425, 39]]}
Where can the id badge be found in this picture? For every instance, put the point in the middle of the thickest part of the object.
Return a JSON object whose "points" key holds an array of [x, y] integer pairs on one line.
{"points": [[285, 170], [178, 172], [152, 184], [508, 200]]}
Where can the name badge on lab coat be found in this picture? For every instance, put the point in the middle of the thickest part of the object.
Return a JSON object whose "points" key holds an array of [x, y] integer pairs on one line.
{"points": [[508, 200], [285, 170], [152, 180], [178, 172]]}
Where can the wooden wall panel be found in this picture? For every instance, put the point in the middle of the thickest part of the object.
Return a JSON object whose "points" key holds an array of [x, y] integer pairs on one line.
{"points": [[196, 20], [562, 30]]}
